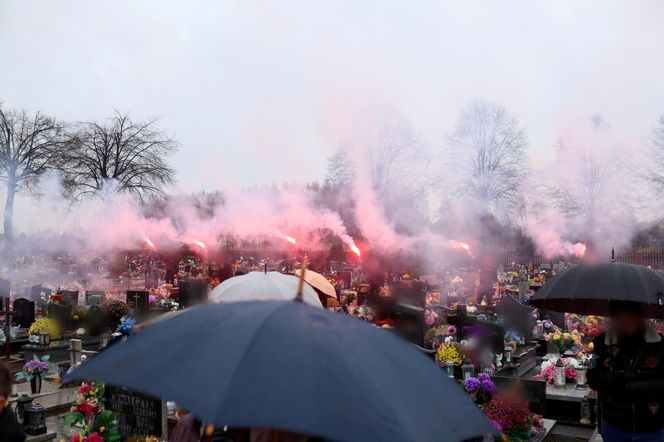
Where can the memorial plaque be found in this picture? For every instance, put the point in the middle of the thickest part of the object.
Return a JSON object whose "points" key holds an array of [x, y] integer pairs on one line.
{"points": [[138, 414], [94, 297], [70, 297], [138, 300], [23, 312], [409, 322], [516, 315], [36, 294]]}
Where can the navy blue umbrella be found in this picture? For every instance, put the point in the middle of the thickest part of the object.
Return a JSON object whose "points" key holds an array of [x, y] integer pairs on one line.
{"points": [[590, 289], [289, 366]]}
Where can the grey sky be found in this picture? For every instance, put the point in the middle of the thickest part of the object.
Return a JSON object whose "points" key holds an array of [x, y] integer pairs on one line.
{"points": [[261, 91]]}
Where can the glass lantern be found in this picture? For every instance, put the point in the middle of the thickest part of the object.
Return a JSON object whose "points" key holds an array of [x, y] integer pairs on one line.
{"points": [[449, 367], [508, 355], [467, 369], [559, 380], [582, 377]]}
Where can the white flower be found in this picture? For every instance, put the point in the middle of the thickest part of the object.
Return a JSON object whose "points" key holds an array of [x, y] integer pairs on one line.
{"points": [[449, 339]]}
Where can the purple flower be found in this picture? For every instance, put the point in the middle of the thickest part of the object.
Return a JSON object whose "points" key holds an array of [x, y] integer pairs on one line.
{"points": [[497, 425], [36, 366], [471, 385], [451, 330], [483, 377], [488, 387]]}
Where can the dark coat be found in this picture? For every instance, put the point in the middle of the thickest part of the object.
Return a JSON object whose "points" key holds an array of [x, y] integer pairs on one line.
{"points": [[628, 376], [10, 430]]}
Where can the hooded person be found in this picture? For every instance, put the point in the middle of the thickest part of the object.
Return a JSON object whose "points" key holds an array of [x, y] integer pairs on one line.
{"points": [[628, 375], [10, 430]]}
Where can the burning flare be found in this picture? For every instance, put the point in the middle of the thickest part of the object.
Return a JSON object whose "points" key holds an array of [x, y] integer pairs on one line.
{"points": [[149, 243], [200, 244], [355, 249], [288, 238], [460, 245], [579, 249]]}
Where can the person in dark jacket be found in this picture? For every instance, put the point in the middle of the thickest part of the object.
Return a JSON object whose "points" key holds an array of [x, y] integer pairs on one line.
{"points": [[10, 430], [628, 375]]}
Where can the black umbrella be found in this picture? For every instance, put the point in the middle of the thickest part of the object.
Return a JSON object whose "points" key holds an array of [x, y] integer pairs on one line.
{"points": [[290, 366], [589, 289]]}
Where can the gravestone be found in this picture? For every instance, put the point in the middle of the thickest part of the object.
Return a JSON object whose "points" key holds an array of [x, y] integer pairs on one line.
{"points": [[138, 300], [138, 414], [192, 292], [70, 297], [61, 313], [94, 297], [409, 322], [516, 315], [96, 321], [523, 288], [36, 295], [24, 312]]}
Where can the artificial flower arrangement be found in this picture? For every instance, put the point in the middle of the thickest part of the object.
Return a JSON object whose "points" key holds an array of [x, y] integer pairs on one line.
{"points": [[544, 327], [436, 335], [363, 312], [87, 415], [34, 367], [514, 339], [55, 298], [45, 325], [592, 326], [115, 309], [430, 317], [141, 438], [510, 414], [127, 323], [548, 369], [481, 388], [564, 341]]}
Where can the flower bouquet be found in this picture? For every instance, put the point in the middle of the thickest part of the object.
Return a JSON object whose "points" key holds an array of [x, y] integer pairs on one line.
{"points": [[510, 414], [564, 341], [115, 310], [450, 351], [45, 325], [127, 323], [33, 371], [88, 417], [548, 370], [481, 388]]}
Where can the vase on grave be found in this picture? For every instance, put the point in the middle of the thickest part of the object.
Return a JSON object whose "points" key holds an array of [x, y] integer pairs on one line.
{"points": [[36, 384]]}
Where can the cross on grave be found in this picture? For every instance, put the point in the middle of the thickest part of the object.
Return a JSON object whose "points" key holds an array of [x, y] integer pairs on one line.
{"points": [[8, 343], [76, 351]]}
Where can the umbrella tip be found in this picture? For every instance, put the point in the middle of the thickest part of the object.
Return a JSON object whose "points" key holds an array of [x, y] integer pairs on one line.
{"points": [[265, 267], [660, 299], [613, 254], [300, 286]]}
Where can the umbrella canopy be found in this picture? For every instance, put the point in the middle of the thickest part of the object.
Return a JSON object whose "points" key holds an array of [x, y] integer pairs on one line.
{"points": [[589, 289], [318, 282], [263, 286], [289, 366]]}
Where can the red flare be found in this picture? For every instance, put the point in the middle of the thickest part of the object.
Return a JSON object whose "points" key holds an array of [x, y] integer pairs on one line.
{"points": [[355, 249], [149, 243], [579, 249], [200, 244], [459, 245]]}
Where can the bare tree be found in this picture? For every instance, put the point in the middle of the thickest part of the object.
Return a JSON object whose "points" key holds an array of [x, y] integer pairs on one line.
{"points": [[29, 146], [656, 171], [487, 156], [130, 155]]}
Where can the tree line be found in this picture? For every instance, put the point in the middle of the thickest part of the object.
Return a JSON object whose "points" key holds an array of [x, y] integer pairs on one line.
{"points": [[131, 156]]}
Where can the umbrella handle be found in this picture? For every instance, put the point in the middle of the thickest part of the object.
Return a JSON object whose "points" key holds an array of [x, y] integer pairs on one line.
{"points": [[300, 285]]}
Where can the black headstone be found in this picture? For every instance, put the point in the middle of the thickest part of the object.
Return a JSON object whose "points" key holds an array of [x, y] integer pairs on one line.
{"points": [[94, 297], [138, 414], [70, 297], [192, 292], [516, 315], [409, 322], [24, 312], [138, 300], [36, 294], [61, 313], [96, 321]]}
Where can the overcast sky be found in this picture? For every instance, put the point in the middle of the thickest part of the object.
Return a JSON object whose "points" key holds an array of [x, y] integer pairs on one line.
{"points": [[260, 91]]}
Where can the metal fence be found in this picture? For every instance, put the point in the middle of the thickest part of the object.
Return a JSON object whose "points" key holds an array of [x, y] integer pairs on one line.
{"points": [[651, 258]]}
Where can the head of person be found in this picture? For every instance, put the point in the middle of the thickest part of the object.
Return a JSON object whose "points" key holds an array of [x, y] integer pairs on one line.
{"points": [[627, 318], [5, 386]]}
